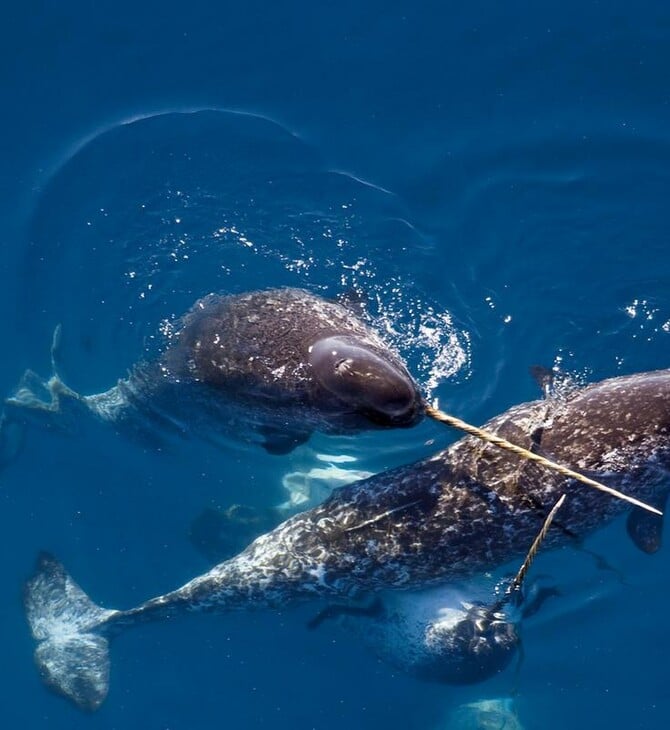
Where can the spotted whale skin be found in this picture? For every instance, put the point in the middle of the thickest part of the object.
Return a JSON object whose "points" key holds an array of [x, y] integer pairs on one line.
{"points": [[269, 366], [465, 510]]}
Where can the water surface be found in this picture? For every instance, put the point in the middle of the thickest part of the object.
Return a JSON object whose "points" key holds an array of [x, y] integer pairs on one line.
{"points": [[492, 180]]}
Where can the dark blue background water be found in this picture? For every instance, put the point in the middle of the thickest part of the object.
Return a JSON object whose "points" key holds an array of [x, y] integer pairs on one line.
{"points": [[494, 177]]}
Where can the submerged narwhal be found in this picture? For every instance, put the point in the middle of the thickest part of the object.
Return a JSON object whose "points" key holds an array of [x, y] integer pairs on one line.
{"points": [[271, 366], [464, 511]]}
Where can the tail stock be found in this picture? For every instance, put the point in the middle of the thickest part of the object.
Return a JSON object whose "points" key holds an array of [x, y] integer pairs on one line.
{"points": [[72, 652]]}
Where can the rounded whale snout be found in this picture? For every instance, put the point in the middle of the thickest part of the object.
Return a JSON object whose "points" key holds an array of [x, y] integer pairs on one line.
{"points": [[381, 390], [470, 650]]}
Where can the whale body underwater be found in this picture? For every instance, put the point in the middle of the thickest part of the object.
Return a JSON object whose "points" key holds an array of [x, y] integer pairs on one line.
{"points": [[268, 367], [418, 528]]}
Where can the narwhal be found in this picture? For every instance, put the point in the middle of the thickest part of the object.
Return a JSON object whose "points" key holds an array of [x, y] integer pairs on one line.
{"points": [[269, 366], [466, 510]]}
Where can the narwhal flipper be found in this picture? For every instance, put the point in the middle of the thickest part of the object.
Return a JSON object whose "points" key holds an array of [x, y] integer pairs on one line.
{"points": [[72, 652], [646, 529], [220, 534], [374, 609], [533, 601], [279, 441]]}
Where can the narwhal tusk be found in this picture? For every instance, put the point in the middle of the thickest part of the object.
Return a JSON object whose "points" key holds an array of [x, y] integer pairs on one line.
{"points": [[518, 578]]}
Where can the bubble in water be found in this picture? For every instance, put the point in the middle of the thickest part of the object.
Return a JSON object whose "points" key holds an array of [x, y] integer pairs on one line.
{"points": [[425, 336], [211, 201]]}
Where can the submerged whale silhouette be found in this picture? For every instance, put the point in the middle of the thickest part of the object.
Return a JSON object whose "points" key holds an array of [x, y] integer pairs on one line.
{"points": [[270, 366], [465, 510]]}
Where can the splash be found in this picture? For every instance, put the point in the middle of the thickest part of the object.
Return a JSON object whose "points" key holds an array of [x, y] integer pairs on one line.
{"points": [[211, 201], [425, 335]]}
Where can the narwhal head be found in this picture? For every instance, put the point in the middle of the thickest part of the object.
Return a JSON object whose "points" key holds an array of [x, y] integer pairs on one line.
{"points": [[364, 380], [470, 647]]}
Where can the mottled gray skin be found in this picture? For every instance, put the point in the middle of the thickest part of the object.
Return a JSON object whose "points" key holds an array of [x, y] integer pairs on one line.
{"points": [[270, 366], [466, 510]]}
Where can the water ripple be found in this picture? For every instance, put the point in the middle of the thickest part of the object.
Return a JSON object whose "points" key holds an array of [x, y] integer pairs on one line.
{"points": [[146, 215]]}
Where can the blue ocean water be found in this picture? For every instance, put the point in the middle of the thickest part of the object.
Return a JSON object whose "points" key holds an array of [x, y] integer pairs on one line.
{"points": [[493, 178]]}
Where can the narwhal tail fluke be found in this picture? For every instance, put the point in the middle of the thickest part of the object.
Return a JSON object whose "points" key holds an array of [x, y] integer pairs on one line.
{"points": [[43, 402], [37, 402], [72, 651]]}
